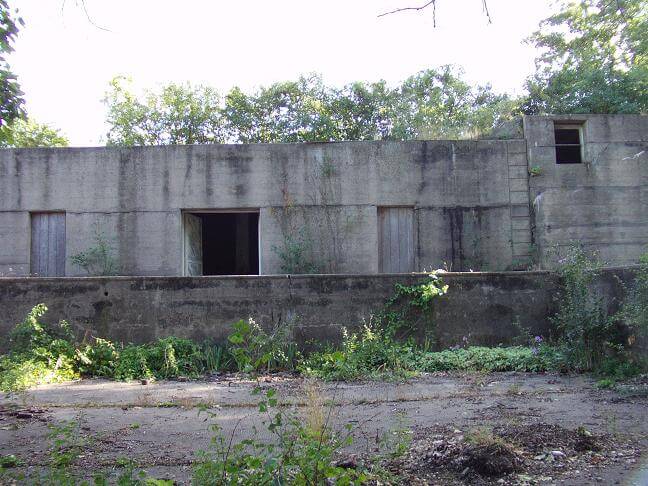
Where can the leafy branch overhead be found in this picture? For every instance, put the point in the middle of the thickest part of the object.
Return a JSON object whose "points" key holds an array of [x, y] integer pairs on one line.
{"points": [[11, 96], [593, 59]]}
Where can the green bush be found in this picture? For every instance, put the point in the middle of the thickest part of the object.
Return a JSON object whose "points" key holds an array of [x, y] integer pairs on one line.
{"points": [[634, 312], [371, 354], [98, 358], [166, 358], [20, 372], [253, 349], [587, 333], [39, 353]]}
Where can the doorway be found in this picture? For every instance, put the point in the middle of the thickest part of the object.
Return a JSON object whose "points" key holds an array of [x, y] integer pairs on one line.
{"points": [[221, 243]]}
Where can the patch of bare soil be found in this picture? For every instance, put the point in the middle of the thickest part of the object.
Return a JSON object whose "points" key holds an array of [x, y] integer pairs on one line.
{"points": [[510, 455]]}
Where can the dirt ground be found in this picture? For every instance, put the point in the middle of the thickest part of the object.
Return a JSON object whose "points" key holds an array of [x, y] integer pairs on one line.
{"points": [[557, 429]]}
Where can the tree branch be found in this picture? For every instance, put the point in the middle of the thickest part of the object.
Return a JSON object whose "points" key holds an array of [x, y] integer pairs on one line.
{"points": [[403, 9]]}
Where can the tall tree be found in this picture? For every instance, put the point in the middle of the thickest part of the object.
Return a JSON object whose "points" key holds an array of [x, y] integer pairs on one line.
{"points": [[594, 59], [11, 97]]}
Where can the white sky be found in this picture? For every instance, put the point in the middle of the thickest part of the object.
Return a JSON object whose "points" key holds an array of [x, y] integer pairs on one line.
{"points": [[64, 63]]}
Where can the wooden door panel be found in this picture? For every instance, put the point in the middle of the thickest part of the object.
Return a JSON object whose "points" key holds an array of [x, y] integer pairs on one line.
{"points": [[396, 239], [48, 244]]}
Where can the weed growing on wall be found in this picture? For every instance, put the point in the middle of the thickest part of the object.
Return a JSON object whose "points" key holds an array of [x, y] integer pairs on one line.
{"points": [[411, 308], [295, 254], [100, 258]]}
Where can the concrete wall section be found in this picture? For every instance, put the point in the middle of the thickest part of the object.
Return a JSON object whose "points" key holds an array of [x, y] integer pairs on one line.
{"points": [[474, 205], [602, 202], [325, 196], [485, 308]]}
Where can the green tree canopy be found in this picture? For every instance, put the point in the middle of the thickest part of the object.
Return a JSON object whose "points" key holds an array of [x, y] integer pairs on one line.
{"points": [[178, 114], [430, 104], [11, 96], [23, 133], [594, 59]]}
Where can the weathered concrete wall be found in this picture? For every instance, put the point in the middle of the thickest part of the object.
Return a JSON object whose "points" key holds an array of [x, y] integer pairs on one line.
{"points": [[483, 307], [474, 205], [601, 203], [486, 308], [459, 192]]}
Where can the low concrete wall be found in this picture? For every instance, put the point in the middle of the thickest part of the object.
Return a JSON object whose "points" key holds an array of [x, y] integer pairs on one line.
{"points": [[486, 308]]}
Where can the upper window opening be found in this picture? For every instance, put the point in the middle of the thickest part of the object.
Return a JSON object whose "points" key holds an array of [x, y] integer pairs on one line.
{"points": [[569, 144]]}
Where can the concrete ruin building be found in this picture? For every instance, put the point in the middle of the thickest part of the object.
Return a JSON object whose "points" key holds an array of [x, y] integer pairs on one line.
{"points": [[346, 207]]}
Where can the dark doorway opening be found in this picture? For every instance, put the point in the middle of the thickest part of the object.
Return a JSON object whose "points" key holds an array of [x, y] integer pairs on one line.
{"points": [[230, 243]]}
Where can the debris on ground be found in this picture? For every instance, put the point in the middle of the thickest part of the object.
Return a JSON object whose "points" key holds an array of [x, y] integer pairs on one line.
{"points": [[508, 454]]}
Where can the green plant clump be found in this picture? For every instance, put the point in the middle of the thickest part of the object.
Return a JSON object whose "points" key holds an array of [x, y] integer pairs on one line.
{"points": [[481, 359], [370, 354], [634, 311], [253, 349], [42, 354], [39, 354], [588, 334]]}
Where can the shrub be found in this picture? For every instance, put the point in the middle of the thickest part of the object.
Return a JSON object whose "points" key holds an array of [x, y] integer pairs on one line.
{"points": [[98, 358], [371, 354], [253, 349], [634, 311], [166, 358], [19, 373], [586, 332], [39, 353]]}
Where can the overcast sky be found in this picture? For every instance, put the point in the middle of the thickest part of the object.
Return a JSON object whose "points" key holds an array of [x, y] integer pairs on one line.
{"points": [[64, 62]]}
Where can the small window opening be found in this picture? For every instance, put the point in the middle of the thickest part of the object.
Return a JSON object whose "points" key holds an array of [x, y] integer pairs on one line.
{"points": [[569, 144]]}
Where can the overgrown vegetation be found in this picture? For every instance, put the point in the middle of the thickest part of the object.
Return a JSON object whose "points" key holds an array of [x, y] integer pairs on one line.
{"points": [[300, 451], [253, 349], [41, 354], [589, 335], [396, 343]]}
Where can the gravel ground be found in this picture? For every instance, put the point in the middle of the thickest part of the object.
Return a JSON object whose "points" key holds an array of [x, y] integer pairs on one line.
{"points": [[502, 428]]}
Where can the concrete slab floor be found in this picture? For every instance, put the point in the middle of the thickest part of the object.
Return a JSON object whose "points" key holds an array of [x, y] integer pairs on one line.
{"points": [[160, 426]]}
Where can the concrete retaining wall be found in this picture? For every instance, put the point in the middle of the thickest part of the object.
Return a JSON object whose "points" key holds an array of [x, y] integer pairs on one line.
{"points": [[486, 308]]}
